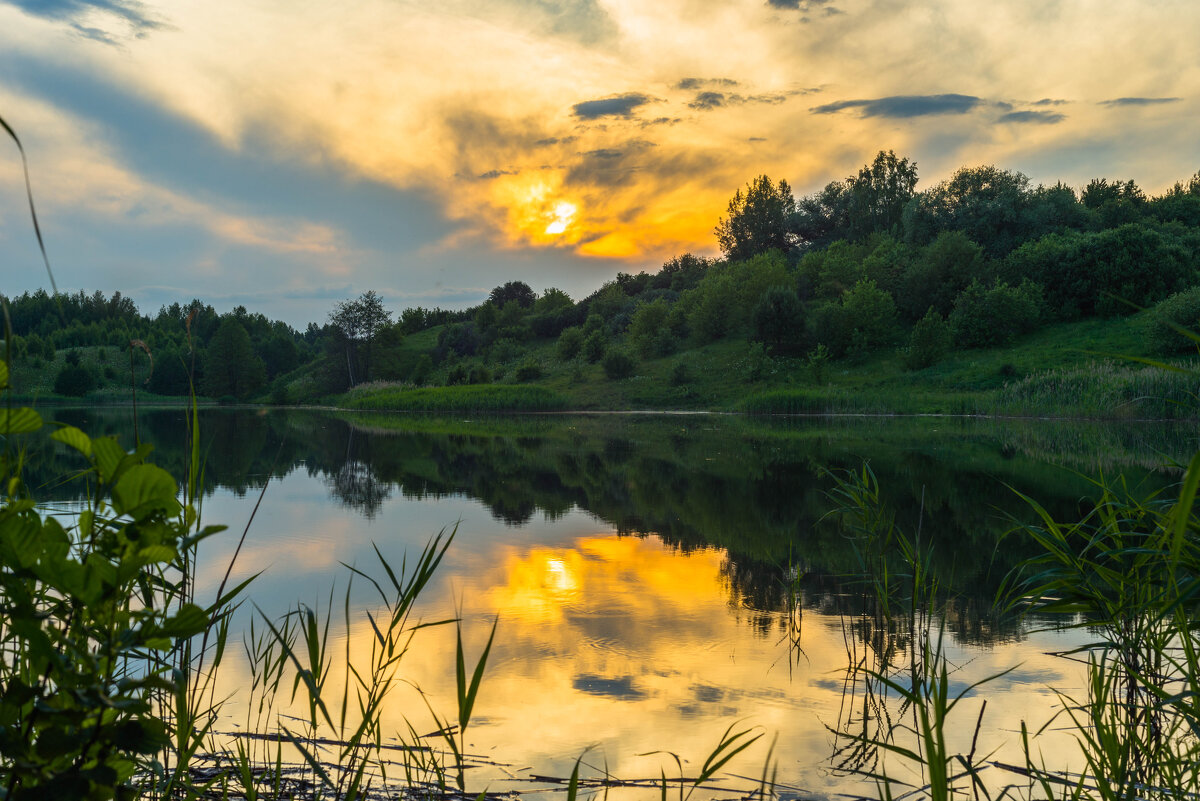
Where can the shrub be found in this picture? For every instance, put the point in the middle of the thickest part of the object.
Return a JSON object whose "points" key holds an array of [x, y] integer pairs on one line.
{"points": [[457, 375], [528, 370], [74, 380], [594, 346], [929, 342], [72, 357], [421, 370], [778, 320], [618, 364], [570, 342], [479, 375], [1181, 309], [681, 373], [990, 317]]}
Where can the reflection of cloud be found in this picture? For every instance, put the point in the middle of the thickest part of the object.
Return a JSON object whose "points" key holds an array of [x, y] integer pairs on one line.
{"points": [[1040, 117], [621, 688], [904, 106]]}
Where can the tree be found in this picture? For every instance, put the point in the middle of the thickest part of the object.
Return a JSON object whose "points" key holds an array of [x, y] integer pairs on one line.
{"points": [[779, 320], [231, 366], [758, 221], [513, 290], [358, 322], [879, 193]]}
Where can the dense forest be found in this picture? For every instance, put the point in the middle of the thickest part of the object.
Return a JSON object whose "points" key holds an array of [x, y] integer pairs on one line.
{"points": [[867, 265]]}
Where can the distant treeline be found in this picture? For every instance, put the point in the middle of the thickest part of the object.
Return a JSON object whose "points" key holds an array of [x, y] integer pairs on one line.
{"points": [[866, 263]]}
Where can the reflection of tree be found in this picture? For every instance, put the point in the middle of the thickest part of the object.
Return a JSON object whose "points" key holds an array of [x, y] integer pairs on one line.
{"points": [[357, 487]]}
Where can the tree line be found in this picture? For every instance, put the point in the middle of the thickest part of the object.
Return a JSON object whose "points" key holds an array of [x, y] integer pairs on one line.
{"points": [[865, 263]]}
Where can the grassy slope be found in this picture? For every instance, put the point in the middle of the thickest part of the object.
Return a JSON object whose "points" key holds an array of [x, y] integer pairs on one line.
{"points": [[35, 379], [721, 376]]}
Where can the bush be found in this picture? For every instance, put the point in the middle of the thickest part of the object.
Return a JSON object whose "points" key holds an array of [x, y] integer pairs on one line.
{"points": [[479, 375], [421, 370], [457, 375], [681, 374], [570, 342], [618, 364], [990, 317], [1181, 309], [72, 357], [74, 380], [505, 350], [778, 320], [528, 370], [594, 346], [929, 342]]}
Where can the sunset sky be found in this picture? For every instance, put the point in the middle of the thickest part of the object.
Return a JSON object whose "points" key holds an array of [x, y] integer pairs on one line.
{"points": [[286, 155]]}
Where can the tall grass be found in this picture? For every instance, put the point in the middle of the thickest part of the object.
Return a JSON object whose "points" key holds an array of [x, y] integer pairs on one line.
{"points": [[1103, 389]]}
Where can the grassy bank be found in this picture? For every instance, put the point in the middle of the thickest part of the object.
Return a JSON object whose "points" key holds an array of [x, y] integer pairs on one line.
{"points": [[1084, 370]]}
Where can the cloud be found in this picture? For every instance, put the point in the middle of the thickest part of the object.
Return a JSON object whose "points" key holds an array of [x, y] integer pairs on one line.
{"points": [[691, 84], [707, 101], [905, 106], [1048, 101], [1039, 117], [616, 106], [797, 5], [74, 11], [608, 166], [493, 174], [1139, 101]]}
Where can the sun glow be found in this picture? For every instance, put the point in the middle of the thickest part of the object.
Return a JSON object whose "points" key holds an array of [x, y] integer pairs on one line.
{"points": [[564, 213]]}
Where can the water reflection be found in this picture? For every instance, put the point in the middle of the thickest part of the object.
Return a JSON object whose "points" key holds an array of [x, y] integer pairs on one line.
{"points": [[654, 578]]}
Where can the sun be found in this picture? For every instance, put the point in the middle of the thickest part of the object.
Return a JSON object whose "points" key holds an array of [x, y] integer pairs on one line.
{"points": [[563, 213]]}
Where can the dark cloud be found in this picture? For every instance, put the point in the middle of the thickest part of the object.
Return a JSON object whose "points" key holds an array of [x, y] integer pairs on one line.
{"points": [[707, 101], [556, 140], [490, 174], [1139, 101], [104, 37], [691, 84], [661, 121], [1038, 117], [616, 106], [1049, 101], [621, 688], [608, 166], [757, 139], [905, 106], [805, 7], [133, 12]]}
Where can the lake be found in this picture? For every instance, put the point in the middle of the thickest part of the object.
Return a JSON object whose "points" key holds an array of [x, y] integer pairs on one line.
{"points": [[655, 578]]}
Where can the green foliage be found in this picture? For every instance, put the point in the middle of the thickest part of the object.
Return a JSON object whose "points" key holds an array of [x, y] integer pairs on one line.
{"points": [[1181, 310], [939, 272], [528, 370], [421, 370], [95, 618], [479, 375], [871, 313], [458, 374], [74, 380], [758, 221], [231, 367], [929, 342], [681, 373], [618, 364], [778, 320], [647, 327], [594, 346], [570, 343], [984, 318]]}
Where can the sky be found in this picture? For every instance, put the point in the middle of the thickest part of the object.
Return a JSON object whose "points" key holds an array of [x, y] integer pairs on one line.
{"points": [[288, 154]]}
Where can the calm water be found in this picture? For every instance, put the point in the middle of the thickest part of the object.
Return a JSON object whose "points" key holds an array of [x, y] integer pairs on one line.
{"points": [[640, 566]]}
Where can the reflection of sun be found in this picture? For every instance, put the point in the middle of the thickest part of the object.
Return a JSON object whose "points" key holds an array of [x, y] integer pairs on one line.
{"points": [[564, 212]]}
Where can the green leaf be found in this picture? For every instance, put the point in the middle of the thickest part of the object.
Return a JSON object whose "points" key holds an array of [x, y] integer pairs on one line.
{"points": [[145, 488], [156, 553], [70, 435], [108, 455], [19, 421], [189, 620]]}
